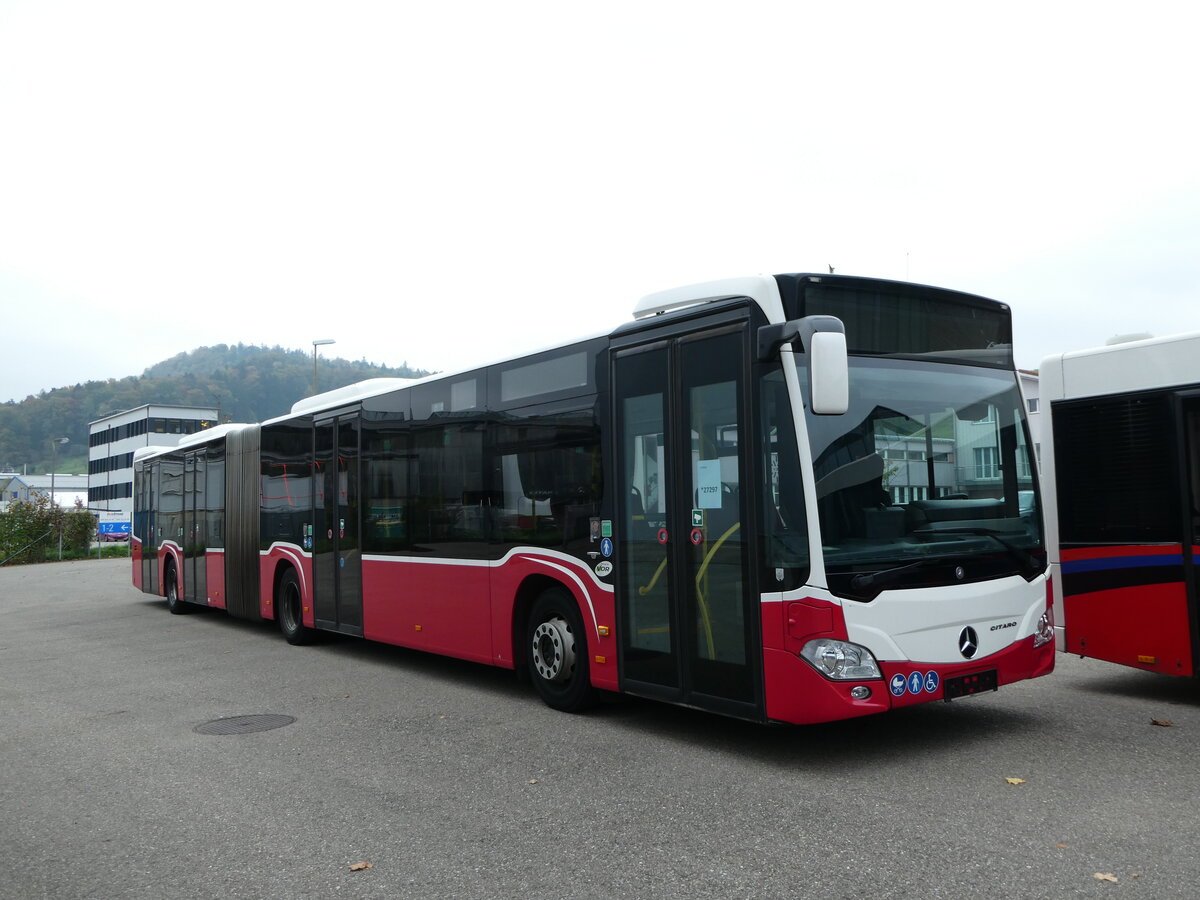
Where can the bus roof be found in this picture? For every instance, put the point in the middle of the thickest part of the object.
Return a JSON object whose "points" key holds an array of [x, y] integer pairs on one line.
{"points": [[1129, 366], [762, 289], [351, 393], [196, 438]]}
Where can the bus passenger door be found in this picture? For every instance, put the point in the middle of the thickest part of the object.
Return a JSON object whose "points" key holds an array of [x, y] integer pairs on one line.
{"points": [[689, 612], [646, 568], [194, 581], [150, 500], [337, 557], [1191, 513]]}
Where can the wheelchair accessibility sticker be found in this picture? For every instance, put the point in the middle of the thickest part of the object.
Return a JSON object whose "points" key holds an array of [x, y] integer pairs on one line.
{"points": [[914, 683]]}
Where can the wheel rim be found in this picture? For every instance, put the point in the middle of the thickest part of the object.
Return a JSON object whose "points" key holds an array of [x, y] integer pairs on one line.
{"points": [[554, 650], [172, 588]]}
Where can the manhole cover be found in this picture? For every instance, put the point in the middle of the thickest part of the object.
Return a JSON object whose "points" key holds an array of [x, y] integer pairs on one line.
{"points": [[243, 724]]}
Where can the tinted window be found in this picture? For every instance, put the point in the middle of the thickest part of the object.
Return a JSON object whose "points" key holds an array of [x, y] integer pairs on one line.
{"points": [[215, 524], [785, 528], [549, 480], [912, 321], [449, 505], [285, 482], [544, 377], [1116, 470], [385, 486]]}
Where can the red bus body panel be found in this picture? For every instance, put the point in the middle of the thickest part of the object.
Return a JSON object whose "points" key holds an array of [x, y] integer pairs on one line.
{"points": [[466, 610], [135, 555], [797, 693], [214, 574], [269, 565], [1144, 624]]}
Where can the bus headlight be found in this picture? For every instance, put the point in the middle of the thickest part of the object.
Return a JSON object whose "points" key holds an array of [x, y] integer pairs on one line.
{"points": [[1044, 633], [840, 660]]}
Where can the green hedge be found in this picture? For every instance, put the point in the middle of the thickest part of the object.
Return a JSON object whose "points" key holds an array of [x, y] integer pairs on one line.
{"points": [[30, 531]]}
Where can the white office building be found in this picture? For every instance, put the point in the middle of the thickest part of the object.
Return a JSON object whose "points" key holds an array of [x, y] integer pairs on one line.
{"points": [[1031, 390], [111, 442]]}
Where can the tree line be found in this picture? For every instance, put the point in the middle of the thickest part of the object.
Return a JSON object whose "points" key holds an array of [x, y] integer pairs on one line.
{"points": [[245, 383]]}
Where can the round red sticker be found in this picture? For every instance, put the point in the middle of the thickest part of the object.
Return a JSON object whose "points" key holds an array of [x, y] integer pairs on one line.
{"points": [[663, 536], [697, 536]]}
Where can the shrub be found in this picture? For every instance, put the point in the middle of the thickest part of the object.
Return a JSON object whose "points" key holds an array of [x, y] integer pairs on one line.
{"points": [[30, 530], [78, 528], [25, 530]]}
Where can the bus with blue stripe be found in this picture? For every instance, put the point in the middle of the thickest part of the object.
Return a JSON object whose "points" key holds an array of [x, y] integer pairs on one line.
{"points": [[1121, 463]]}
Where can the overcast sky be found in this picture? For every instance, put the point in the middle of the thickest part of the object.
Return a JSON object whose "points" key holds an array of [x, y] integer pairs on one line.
{"points": [[450, 183]]}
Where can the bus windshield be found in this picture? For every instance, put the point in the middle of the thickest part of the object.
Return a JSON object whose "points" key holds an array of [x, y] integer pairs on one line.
{"points": [[926, 480]]}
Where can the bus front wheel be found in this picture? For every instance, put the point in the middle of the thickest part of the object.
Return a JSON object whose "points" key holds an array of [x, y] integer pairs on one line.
{"points": [[557, 649], [289, 610]]}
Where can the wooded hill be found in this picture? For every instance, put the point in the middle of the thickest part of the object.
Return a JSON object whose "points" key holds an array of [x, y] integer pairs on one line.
{"points": [[246, 383]]}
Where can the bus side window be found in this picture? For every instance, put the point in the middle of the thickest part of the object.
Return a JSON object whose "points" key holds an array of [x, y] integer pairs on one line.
{"points": [[785, 527], [386, 460], [549, 474]]}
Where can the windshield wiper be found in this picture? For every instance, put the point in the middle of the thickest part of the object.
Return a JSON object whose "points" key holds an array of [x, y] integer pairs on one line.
{"points": [[1027, 561], [864, 580]]}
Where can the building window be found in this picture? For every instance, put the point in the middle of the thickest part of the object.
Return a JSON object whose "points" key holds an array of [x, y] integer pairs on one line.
{"points": [[986, 462], [1033, 404]]}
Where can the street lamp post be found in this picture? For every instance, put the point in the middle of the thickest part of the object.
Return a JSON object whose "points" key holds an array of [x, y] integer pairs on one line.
{"points": [[317, 344], [54, 445]]}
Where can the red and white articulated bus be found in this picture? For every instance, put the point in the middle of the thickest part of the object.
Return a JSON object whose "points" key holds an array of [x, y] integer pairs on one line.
{"points": [[792, 498], [1121, 460]]}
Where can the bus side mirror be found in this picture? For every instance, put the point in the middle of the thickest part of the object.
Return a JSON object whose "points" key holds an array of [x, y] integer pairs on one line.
{"points": [[823, 339], [828, 371]]}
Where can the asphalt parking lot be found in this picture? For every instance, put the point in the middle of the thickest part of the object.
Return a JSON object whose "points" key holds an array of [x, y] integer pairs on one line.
{"points": [[452, 780]]}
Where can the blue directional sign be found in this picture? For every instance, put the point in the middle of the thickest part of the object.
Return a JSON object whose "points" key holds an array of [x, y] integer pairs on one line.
{"points": [[897, 685], [916, 681], [931, 682], [606, 547]]}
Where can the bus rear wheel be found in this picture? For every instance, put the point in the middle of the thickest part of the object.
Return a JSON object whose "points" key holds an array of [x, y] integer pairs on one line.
{"points": [[289, 610], [557, 649], [175, 604]]}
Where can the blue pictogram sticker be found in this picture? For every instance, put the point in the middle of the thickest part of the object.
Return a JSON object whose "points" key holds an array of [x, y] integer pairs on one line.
{"points": [[897, 685], [931, 682], [606, 547], [916, 681]]}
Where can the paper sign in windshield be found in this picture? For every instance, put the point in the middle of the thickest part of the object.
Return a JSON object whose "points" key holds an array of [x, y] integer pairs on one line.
{"points": [[708, 483]]}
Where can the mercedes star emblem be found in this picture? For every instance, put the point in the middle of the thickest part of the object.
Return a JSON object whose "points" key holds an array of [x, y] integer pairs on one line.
{"points": [[968, 642]]}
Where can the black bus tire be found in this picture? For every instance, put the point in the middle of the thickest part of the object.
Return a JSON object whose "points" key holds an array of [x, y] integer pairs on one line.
{"points": [[175, 603], [289, 610], [556, 646]]}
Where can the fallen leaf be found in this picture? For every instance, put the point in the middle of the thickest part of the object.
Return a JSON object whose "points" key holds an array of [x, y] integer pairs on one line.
{"points": [[1062, 846], [1101, 876], [1015, 780], [358, 867], [1135, 874], [1165, 723], [533, 781]]}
